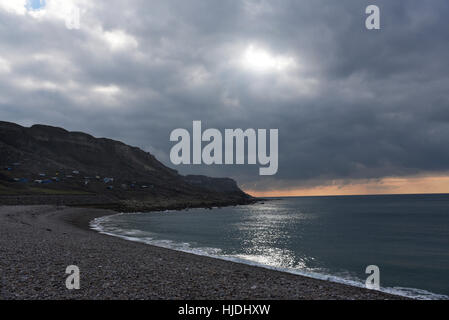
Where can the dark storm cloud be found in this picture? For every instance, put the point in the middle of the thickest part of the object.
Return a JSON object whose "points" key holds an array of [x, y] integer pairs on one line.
{"points": [[355, 104]]}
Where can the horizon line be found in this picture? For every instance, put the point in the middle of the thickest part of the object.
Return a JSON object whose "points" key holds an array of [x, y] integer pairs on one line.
{"points": [[350, 195]]}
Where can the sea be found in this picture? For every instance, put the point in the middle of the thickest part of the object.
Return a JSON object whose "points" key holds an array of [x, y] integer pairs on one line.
{"points": [[333, 238]]}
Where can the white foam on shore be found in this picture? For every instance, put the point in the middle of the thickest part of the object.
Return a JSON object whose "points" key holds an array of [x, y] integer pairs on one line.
{"points": [[144, 237]]}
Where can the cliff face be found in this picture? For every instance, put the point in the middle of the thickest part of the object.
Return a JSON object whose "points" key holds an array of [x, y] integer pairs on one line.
{"points": [[53, 160]]}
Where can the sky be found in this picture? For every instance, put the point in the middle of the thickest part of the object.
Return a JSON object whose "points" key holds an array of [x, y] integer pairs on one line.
{"points": [[358, 111]]}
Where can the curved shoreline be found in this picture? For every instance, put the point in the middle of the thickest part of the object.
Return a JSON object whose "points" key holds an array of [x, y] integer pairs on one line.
{"points": [[39, 242], [410, 293]]}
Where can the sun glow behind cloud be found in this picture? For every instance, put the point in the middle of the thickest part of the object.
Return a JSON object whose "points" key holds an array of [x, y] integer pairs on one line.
{"points": [[120, 40], [260, 60]]}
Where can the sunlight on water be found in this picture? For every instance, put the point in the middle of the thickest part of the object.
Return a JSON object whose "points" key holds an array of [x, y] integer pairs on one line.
{"points": [[332, 238]]}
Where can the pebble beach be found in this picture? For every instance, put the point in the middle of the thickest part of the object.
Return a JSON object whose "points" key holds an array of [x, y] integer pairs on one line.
{"points": [[37, 243]]}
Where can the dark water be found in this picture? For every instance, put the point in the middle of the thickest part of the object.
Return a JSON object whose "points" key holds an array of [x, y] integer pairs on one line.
{"points": [[406, 236]]}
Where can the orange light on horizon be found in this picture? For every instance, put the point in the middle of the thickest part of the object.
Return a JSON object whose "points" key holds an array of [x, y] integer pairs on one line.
{"points": [[392, 185]]}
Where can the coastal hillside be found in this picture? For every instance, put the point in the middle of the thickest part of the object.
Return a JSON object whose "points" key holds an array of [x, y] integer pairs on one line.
{"points": [[46, 164]]}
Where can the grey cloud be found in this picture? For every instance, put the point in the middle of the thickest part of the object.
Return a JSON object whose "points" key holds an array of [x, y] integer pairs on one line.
{"points": [[362, 104]]}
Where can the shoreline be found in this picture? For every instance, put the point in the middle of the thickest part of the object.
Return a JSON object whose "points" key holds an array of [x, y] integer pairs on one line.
{"points": [[38, 242], [408, 293], [95, 226]]}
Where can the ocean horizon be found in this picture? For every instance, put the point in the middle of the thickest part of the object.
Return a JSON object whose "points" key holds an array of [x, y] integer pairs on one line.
{"points": [[326, 237]]}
